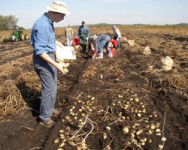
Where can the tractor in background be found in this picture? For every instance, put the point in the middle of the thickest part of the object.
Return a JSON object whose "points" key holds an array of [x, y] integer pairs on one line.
{"points": [[17, 35]]}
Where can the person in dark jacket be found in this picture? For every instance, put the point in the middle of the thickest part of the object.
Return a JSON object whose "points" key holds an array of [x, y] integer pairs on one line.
{"points": [[83, 35]]}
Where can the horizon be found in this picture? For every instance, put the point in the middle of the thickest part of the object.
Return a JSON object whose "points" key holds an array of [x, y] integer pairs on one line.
{"points": [[136, 24], [155, 12]]}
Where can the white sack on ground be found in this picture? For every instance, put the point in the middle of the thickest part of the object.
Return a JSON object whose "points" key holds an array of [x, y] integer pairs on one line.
{"points": [[131, 42], [124, 38], [147, 50], [65, 52], [167, 63]]}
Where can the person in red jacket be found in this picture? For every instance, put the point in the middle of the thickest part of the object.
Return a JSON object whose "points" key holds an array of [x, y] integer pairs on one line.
{"points": [[113, 45]]}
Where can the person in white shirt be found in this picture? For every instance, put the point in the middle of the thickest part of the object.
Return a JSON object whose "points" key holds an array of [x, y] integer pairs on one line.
{"points": [[69, 35], [117, 35]]}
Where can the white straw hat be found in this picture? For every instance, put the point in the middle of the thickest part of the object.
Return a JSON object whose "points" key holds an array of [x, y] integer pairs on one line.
{"points": [[58, 6]]}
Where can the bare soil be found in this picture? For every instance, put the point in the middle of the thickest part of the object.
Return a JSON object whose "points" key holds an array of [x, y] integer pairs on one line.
{"points": [[114, 103]]}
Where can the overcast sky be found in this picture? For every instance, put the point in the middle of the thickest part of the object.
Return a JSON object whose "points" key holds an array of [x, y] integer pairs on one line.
{"points": [[157, 12]]}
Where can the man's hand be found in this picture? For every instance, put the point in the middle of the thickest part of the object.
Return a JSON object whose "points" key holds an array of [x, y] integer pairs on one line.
{"points": [[60, 67], [64, 64]]}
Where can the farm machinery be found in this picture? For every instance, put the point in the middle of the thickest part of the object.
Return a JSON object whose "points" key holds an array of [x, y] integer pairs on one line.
{"points": [[17, 35]]}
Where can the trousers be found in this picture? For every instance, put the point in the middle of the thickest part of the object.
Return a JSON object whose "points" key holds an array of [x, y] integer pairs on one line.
{"points": [[69, 40], [48, 77]]}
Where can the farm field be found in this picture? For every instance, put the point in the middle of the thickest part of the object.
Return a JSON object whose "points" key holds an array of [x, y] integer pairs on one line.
{"points": [[122, 103]]}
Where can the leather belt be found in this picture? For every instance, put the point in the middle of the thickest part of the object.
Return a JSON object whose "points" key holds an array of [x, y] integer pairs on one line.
{"points": [[51, 52]]}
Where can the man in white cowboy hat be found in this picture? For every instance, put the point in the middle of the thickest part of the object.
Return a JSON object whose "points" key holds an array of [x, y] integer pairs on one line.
{"points": [[44, 45]]}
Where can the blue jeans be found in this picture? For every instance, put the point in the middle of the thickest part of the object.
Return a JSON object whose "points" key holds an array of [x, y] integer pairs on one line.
{"points": [[119, 42], [104, 43], [69, 40], [48, 77]]}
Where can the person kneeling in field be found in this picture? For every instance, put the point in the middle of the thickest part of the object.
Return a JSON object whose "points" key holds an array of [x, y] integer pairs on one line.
{"points": [[97, 45]]}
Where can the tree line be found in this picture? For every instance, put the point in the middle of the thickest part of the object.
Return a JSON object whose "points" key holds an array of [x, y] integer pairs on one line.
{"points": [[8, 22]]}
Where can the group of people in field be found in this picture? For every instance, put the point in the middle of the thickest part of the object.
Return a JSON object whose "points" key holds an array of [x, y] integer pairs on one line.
{"points": [[94, 44], [44, 45]]}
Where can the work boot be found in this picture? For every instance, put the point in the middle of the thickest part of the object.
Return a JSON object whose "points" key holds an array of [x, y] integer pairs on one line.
{"points": [[49, 123]]}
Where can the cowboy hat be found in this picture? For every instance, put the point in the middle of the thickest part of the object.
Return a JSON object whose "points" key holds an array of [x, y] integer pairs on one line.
{"points": [[59, 7]]}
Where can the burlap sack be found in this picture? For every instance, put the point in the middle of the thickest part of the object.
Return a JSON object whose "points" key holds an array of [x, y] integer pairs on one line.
{"points": [[166, 63], [147, 50]]}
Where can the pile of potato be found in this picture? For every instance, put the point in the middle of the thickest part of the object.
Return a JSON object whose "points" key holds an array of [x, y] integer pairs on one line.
{"points": [[139, 127]]}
